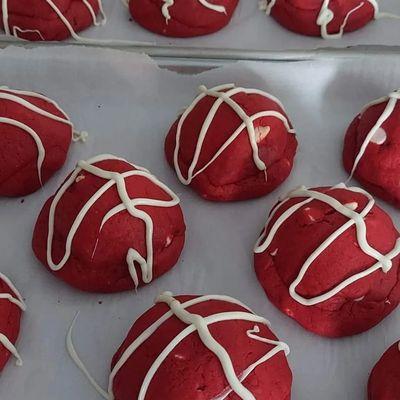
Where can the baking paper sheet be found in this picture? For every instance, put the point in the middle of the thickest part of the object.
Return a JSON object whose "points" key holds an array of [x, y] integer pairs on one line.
{"points": [[250, 29], [127, 104]]}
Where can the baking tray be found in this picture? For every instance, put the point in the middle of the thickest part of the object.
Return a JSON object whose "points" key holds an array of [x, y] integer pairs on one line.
{"points": [[250, 29], [127, 102]]}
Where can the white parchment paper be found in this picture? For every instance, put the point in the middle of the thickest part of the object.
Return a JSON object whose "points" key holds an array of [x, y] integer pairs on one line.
{"points": [[127, 104]]}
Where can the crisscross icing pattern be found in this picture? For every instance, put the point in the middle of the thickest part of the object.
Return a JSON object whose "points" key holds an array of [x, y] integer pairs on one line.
{"points": [[357, 219], [16, 299], [199, 325], [224, 95], [15, 29], [14, 96], [127, 204]]}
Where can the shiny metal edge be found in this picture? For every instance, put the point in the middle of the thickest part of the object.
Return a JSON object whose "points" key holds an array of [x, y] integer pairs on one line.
{"points": [[220, 54]]}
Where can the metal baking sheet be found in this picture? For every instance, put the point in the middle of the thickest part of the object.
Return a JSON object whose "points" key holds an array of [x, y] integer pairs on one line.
{"points": [[250, 29], [127, 103]]}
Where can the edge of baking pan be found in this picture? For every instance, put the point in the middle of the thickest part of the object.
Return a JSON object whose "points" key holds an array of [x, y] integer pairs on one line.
{"points": [[221, 54]]}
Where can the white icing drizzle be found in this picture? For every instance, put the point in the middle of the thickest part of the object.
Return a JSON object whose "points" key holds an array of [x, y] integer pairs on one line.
{"points": [[253, 334], [266, 5], [74, 355], [223, 95], [196, 324], [19, 302], [383, 261], [326, 15], [377, 135], [170, 3], [15, 96], [128, 204], [16, 29]]}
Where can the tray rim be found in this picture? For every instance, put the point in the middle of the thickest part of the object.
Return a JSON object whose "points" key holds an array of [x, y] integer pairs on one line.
{"points": [[220, 54]]}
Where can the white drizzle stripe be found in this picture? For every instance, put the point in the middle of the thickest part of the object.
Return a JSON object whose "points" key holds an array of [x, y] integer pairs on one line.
{"points": [[36, 95], [180, 310], [40, 148], [223, 95], [33, 107], [118, 180], [64, 20], [170, 3], [14, 96], [19, 302], [326, 15], [384, 262], [4, 11], [74, 355], [4, 341], [217, 349], [200, 324], [17, 30], [392, 101], [266, 5], [279, 346]]}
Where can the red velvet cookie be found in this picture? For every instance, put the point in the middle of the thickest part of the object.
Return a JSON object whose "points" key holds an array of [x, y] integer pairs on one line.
{"points": [[328, 19], [111, 226], [329, 259], [200, 347], [372, 148], [11, 307], [384, 382], [183, 18], [232, 143], [49, 19], [35, 135]]}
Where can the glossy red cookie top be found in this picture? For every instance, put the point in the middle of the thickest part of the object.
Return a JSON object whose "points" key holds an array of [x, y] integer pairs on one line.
{"points": [[183, 18], [329, 259], [111, 226], [232, 143]]}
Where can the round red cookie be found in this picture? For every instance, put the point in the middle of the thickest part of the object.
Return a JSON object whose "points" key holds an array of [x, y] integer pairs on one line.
{"points": [[11, 308], [310, 17], [384, 381], [328, 258], [371, 150], [144, 367], [111, 226], [183, 18], [35, 135], [48, 19], [232, 144]]}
